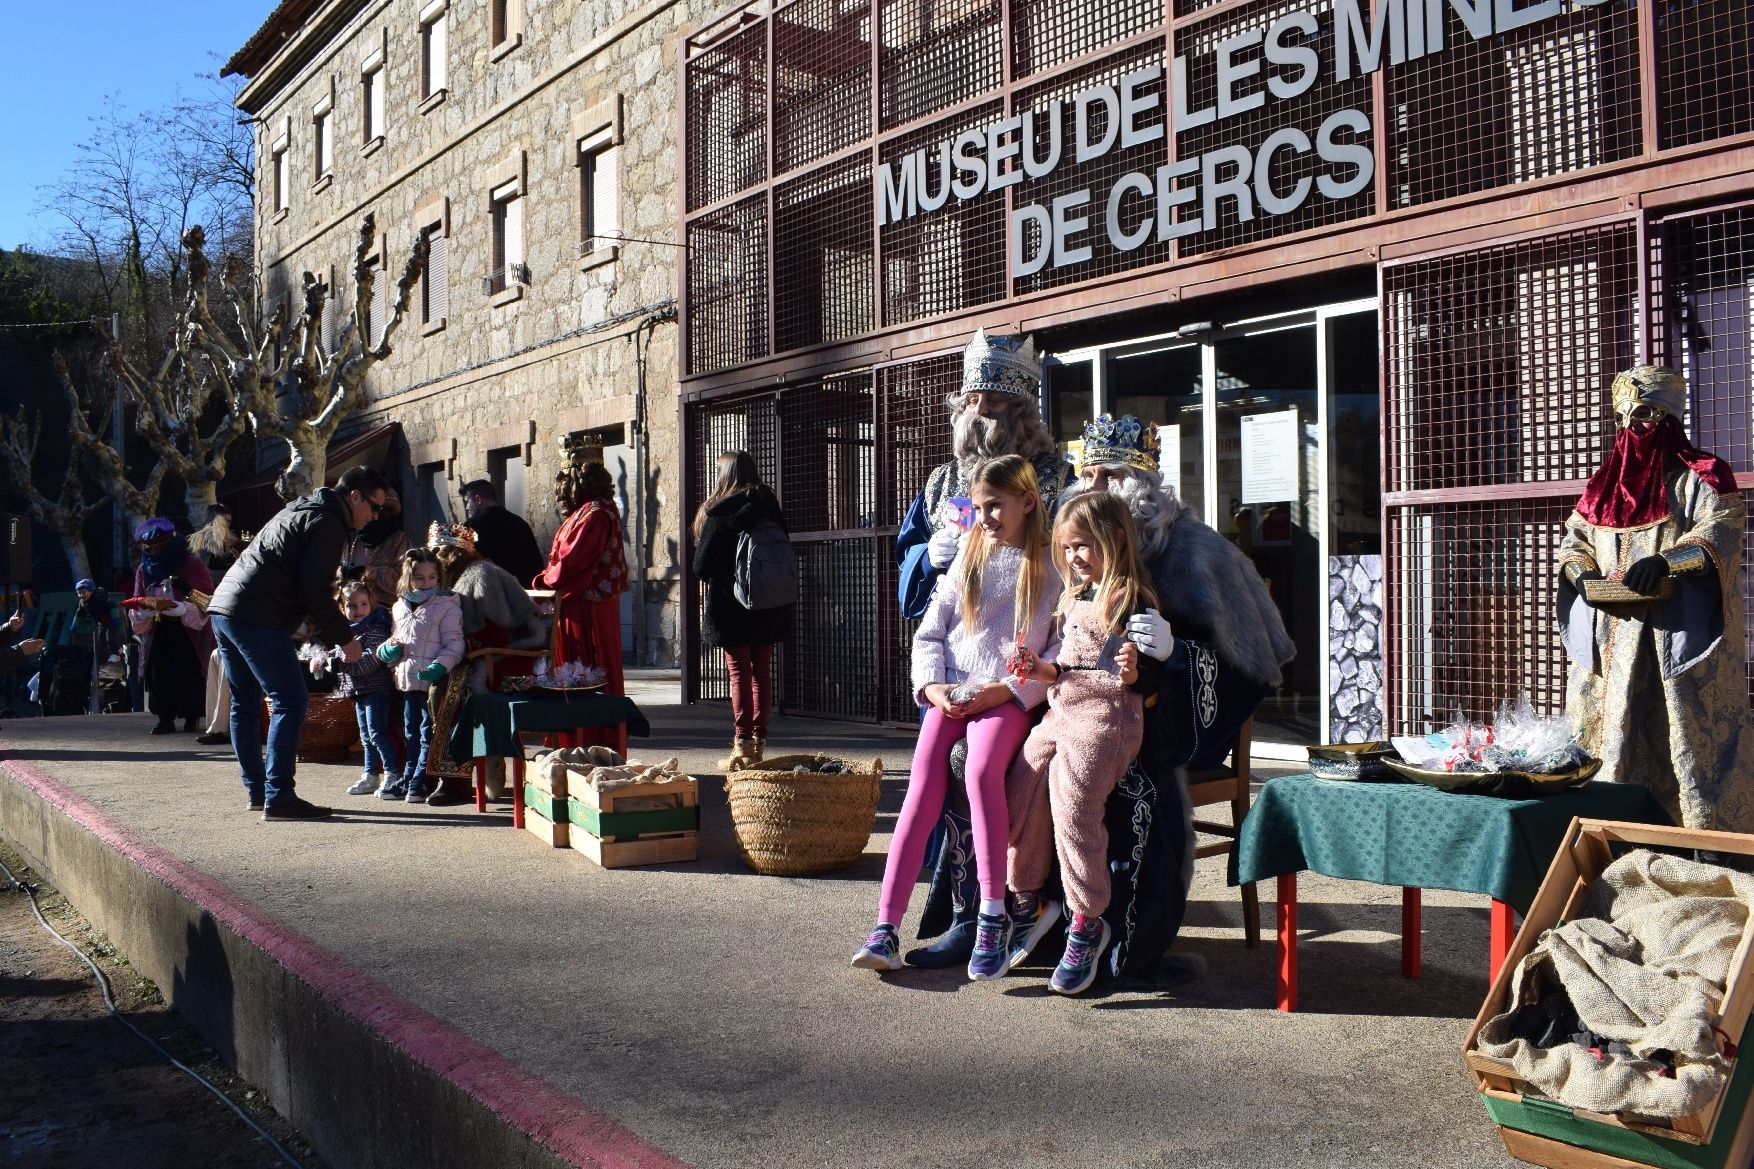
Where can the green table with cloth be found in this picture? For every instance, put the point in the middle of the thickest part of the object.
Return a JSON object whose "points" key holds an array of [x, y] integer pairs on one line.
{"points": [[490, 725], [1417, 837]]}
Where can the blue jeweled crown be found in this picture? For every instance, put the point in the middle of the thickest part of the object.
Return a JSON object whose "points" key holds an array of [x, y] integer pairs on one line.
{"points": [[1126, 440], [1001, 364]]}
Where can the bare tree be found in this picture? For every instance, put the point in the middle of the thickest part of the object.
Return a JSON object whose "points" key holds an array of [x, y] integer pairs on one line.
{"points": [[63, 513], [110, 465], [291, 384]]}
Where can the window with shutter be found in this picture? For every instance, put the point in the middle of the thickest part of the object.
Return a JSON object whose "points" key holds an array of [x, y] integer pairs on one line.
{"points": [[380, 309], [514, 239], [325, 148], [434, 47], [436, 287], [280, 179], [601, 189], [508, 238], [373, 103]]}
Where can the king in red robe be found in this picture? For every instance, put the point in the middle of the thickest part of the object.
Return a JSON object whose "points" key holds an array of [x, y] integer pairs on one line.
{"points": [[587, 566]]}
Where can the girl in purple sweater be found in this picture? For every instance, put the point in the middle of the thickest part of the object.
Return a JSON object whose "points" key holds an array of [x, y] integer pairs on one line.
{"points": [[994, 601]]}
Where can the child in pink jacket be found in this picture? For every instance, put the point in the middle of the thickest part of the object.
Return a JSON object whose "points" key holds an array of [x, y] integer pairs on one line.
{"points": [[425, 644]]}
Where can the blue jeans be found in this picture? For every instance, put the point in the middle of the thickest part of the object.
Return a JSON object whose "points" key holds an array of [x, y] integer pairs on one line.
{"points": [[373, 712], [416, 733], [261, 661]]}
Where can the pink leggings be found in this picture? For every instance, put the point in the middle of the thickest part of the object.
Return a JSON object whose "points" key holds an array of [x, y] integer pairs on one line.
{"points": [[993, 738]]}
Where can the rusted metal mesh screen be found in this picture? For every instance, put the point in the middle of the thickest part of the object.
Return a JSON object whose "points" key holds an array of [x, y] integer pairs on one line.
{"points": [[1046, 33], [822, 79], [1705, 71], [727, 286], [745, 424], [1703, 281], [948, 259], [830, 465], [915, 424], [1133, 209], [1498, 361], [1292, 167], [936, 54], [727, 117], [1471, 591], [831, 661], [1189, 7], [1705, 289], [1553, 97], [822, 281]]}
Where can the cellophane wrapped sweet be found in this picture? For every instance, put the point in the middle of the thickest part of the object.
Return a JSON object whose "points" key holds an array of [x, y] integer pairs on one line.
{"points": [[1518, 739]]}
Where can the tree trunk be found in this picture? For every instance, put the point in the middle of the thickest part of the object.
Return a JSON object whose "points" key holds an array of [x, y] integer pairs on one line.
{"points": [[310, 462], [198, 497], [78, 560]]}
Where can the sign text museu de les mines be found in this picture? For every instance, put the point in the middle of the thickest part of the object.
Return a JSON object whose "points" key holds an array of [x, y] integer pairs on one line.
{"points": [[1185, 197]]}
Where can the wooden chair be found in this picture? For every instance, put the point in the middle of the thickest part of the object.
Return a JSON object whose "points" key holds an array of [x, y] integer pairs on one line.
{"points": [[1228, 783], [492, 655]]}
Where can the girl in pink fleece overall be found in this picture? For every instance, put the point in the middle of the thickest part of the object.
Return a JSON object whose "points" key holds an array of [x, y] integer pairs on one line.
{"points": [[994, 599], [1076, 755], [425, 645]]}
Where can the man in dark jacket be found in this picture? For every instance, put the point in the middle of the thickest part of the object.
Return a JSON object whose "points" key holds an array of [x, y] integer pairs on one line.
{"points": [[15, 653], [284, 578], [501, 536]]}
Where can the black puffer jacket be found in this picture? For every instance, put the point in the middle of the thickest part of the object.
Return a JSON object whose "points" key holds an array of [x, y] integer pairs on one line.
{"points": [[287, 574], [715, 562]]}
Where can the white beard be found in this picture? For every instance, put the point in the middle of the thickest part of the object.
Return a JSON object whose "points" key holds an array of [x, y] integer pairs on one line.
{"points": [[976, 439]]}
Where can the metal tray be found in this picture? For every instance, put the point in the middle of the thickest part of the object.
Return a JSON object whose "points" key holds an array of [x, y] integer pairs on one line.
{"points": [[1516, 785]]}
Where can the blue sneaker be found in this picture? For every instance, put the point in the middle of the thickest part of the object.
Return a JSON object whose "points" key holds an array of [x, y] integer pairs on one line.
{"points": [[992, 947], [395, 790], [881, 951], [1029, 928], [418, 790], [1077, 968]]}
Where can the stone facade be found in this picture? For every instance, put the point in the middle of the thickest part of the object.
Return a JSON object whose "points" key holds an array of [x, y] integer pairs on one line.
{"points": [[574, 343], [1355, 659]]}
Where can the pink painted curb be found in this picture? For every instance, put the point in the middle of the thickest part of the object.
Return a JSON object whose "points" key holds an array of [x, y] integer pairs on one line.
{"points": [[554, 1120]]}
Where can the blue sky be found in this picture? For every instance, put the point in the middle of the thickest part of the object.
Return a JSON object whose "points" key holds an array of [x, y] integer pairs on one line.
{"points": [[68, 54]]}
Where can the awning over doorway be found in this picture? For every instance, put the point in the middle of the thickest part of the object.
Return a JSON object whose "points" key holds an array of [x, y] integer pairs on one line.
{"points": [[253, 502]]}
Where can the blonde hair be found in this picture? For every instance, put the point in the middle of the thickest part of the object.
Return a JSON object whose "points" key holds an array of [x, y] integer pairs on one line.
{"points": [[414, 557], [1008, 475], [1125, 586]]}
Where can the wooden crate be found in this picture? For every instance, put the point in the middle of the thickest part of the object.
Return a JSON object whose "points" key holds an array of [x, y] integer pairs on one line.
{"points": [[554, 784], [641, 824], [1719, 1136], [546, 816], [553, 833]]}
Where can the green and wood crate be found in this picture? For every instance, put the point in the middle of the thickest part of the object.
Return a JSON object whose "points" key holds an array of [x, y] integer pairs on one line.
{"points": [[640, 824]]}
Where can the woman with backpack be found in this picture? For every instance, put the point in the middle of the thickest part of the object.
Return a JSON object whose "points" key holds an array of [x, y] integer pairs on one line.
{"points": [[740, 506]]}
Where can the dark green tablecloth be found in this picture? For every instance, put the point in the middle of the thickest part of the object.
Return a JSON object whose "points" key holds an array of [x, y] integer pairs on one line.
{"points": [[489, 724], [1413, 835]]}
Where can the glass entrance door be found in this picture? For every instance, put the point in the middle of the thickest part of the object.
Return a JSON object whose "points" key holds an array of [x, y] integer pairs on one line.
{"points": [[1270, 432], [1268, 488]]}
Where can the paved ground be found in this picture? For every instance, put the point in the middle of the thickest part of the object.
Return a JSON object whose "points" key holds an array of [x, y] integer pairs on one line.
{"points": [[79, 1090], [713, 1012]]}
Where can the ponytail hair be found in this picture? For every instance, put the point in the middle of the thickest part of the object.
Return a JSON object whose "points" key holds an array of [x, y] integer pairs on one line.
{"points": [[1008, 475]]}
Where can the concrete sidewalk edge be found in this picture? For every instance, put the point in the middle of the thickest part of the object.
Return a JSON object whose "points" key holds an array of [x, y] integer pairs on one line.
{"points": [[368, 1078]]}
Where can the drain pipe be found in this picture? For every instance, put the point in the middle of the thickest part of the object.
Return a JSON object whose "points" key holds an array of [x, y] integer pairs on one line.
{"points": [[642, 452]]}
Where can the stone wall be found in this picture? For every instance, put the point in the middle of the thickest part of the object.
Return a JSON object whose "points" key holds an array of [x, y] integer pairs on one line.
{"points": [[521, 366], [1356, 712]]}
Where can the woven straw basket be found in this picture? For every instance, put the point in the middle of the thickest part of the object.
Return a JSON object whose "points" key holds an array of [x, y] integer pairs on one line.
{"points": [[330, 731], [797, 823]]}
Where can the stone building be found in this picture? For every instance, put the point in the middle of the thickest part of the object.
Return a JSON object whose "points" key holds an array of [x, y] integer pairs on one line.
{"points": [[538, 141]]}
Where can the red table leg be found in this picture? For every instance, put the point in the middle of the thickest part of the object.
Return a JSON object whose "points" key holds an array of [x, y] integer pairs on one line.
{"points": [[480, 784], [1503, 932], [1410, 931], [518, 790], [1287, 984]]}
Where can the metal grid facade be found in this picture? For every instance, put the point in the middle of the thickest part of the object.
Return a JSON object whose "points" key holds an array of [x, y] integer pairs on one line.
{"points": [[1705, 70], [1548, 99], [822, 256], [727, 286], [1557, 97]]}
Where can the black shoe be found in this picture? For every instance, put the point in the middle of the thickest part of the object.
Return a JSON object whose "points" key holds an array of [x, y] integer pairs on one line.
{"points": [[188, 726], [951, 948], [449, 796], [162, 728], [295, 809], [207, 740], [255, 805]]}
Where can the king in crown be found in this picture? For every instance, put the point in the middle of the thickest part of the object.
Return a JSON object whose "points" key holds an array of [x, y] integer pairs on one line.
{"points": [[1126, 440]]}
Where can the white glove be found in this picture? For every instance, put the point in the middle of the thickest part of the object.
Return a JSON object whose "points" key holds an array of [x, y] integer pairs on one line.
{"points": [[176, 610], [941, 548], [1150, 632]]}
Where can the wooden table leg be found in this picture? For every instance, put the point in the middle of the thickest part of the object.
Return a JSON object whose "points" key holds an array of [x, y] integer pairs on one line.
{"points": [[518, 790], [480, 784], [1410, 931], [1287, 982], [1503, 933]]}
